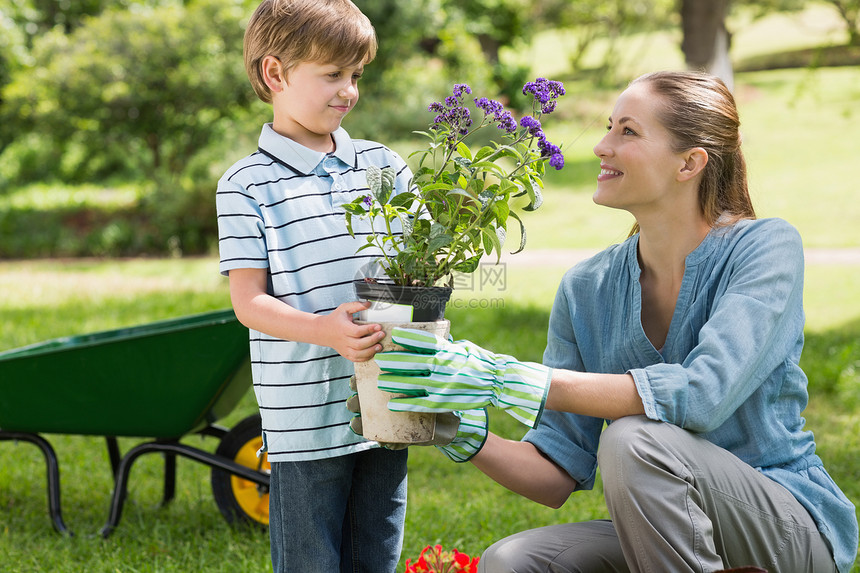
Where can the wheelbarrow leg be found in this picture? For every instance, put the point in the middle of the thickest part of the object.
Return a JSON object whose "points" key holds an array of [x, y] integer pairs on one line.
{"points": [[113, 454], [52, 467], [169, 478], [173, 449], [169, 468], [120, 489]]}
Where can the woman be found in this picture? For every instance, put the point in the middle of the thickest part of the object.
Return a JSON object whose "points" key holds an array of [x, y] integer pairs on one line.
{"points": [[686, 338]]}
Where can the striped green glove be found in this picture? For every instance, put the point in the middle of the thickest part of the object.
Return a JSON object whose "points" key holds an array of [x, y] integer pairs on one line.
{"points": [[470, 437], [442, 376]]}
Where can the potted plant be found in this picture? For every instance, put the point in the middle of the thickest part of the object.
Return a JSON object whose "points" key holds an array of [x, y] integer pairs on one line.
{"points": [[457, 210]]}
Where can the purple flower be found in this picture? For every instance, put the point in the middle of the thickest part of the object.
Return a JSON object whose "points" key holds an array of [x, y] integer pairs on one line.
{"points": [[544, 92], [557, 161], [506, 122], [501, 117], [460, 119], [548, 148], [452, 113], [533, 125], [460, 88], [490, 106], [367, 201]]}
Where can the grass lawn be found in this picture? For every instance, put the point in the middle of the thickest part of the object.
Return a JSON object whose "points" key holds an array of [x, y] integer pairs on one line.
{"points": [[44, 299]]}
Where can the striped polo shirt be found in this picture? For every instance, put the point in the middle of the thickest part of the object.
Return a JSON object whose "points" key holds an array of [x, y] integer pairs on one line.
{"points": [[280, 209]]}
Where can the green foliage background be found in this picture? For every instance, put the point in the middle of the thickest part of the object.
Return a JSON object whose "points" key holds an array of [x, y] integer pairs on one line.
{"points": [[153, 94]]}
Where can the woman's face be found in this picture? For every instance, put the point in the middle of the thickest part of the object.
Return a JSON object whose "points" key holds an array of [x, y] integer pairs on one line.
{"points": [[638, 167]]}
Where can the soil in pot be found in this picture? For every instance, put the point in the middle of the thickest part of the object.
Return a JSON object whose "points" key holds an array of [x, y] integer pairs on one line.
{"points": [[397, 303]]}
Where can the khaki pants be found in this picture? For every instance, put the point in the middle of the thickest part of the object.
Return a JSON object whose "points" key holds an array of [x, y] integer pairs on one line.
{"points": [[678, 503]]}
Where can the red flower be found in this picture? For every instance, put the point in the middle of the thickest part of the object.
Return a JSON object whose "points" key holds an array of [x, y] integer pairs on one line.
{"points": [[464, 563], [419, 567], [434, 559]]}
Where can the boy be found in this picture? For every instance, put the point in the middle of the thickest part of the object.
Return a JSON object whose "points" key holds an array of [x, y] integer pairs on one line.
{"points": [[337, 502]]}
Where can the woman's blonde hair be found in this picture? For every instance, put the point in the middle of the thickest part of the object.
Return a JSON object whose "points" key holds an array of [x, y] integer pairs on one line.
{"points": [[295, 31], [699, 110]]}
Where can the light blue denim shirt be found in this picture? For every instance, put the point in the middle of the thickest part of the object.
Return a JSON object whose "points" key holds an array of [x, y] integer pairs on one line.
{"points": [[728, 370]]}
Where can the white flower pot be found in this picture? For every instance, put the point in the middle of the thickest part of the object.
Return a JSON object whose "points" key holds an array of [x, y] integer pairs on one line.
{"points": [[378, 422]]}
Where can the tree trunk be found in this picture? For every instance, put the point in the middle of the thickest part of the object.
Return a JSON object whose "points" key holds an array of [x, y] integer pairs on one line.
{"points": [[850, 14], [706, 40]]}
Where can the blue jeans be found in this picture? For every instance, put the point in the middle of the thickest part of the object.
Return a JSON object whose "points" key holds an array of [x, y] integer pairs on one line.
{"points": [[338, 514]]}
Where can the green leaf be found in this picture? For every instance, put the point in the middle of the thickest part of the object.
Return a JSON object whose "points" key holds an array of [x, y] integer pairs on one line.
{"points": [[444, 186], [381, 182], [485, 151], [491, 241], [356, 206], [469, 265], [388, 178], [349, 225], [502, 234], [464, 193], [438, 242], [522, 233], [404, 200], [535, 195], [463, 163], [464, 151], [386, 184], [374, 179]]}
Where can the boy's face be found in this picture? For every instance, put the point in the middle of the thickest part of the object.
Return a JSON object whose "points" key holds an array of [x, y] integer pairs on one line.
{"points": [[311, 100]]}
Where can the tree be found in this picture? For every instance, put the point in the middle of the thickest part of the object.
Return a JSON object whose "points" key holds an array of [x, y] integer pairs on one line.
{"points": [[496, 23], [156, 79], [706, 40], [47, 14], [444, 30], [424, 47], [849, 11], [12, 53], [608, 20]]}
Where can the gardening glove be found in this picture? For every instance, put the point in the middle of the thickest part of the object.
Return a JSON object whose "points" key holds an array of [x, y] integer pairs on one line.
{"points": [[353, 404], [442, 376], [458, 435], [466, 438]]}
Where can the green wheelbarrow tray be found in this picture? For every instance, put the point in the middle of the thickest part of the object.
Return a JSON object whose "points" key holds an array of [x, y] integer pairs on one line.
{"points": [[160, 381]]}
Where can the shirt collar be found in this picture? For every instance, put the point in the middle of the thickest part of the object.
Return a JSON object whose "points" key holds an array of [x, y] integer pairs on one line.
{"points": [[344, 149], [299, 158]]}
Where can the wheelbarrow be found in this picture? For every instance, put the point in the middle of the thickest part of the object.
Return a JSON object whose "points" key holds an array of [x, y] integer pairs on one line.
{"points": [[158, 381]]}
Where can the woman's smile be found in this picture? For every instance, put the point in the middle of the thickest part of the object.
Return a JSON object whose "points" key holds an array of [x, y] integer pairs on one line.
{"points": [[607, 173]]}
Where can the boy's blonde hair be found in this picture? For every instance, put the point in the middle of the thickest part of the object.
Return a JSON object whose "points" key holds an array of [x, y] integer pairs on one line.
{"points": [[295, 31]]}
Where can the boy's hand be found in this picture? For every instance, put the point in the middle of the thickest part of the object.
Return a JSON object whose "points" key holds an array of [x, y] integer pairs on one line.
{"points": [[355, 342]]}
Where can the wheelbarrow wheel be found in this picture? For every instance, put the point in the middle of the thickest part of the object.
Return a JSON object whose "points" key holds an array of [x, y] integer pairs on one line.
{"points": [[241, 500]]}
